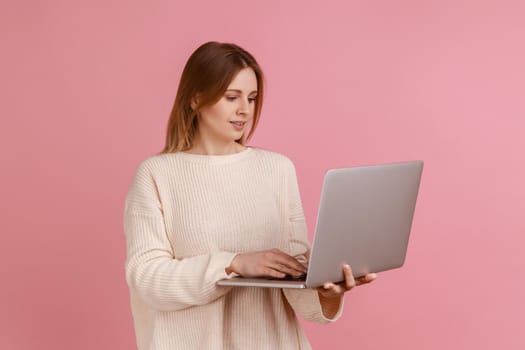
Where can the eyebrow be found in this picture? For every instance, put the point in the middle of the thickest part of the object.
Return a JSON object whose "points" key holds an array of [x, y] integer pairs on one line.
{"points": [[240, 92]]}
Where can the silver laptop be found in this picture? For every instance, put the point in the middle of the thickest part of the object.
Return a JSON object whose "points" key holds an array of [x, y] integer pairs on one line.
{"points": [[364, 220]]}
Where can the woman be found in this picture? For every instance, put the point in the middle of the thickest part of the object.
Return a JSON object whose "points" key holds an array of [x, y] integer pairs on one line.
{"points": [[208, 208]]}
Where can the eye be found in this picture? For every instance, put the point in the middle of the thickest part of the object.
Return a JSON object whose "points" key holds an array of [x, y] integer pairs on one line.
{"points": [[252, 99], [231, 98]]}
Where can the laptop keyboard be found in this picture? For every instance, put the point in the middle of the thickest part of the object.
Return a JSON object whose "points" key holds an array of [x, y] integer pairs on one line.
{"points": [[290, 278]]}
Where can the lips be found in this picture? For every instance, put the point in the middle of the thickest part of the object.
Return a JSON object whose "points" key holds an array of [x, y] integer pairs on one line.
{"points": [[238, 123]]}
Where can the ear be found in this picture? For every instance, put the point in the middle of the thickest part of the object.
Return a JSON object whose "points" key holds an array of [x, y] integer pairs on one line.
{"points": [[194, 102]]}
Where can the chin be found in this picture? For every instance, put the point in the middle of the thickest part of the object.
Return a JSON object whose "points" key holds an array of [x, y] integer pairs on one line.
{"points": [[233, 138], [237, 136]]}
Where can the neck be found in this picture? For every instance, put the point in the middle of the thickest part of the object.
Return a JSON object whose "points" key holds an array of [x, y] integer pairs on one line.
{"points": [[213, 148]]}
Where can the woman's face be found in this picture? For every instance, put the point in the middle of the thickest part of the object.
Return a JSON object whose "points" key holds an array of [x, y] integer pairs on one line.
{"points": [[226, 120]]}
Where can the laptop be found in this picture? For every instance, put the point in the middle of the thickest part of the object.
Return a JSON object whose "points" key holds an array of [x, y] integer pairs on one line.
{"points": [[364, 220]]}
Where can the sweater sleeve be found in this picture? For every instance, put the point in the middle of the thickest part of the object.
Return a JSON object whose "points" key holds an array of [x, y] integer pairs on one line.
{"points": [[160, 280], [305, 302]]}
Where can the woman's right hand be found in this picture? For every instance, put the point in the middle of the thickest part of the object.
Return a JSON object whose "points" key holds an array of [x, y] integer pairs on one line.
{"points": [[267, 263]]}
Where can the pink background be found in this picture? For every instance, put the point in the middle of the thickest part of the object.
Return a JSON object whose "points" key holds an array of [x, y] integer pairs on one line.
{"points": [[86, 89]]}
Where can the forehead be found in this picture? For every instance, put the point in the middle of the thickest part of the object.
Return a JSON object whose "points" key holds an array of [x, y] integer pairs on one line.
{"points": [[245, 80]]}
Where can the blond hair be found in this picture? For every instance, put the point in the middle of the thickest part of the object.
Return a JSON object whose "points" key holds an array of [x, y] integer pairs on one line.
{"points": [[208, 73]]}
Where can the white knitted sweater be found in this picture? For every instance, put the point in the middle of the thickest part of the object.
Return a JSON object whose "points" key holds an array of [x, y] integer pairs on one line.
{"points": [[185, 218]]}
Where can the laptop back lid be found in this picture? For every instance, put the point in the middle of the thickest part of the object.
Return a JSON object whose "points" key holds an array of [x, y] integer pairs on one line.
{"points": [[364, 220]]}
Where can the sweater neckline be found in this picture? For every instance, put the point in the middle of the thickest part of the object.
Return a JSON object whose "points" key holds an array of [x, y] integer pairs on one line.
{"points": [[224, 158]]}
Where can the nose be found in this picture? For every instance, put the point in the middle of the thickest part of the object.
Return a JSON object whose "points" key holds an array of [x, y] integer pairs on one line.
{"points": [[244, 107]]}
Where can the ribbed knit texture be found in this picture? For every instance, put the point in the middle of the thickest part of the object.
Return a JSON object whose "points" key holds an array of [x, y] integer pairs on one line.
{"points": [[185, 218]]}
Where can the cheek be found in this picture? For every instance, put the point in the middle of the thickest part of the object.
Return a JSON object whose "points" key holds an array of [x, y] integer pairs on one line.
{"points": [[214, 115], [223, 111]]}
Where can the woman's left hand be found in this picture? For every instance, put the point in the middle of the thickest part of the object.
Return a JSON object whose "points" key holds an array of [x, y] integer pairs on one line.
{"points": [[333, 290]]}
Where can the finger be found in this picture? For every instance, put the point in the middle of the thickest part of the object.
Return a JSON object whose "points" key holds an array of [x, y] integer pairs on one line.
{"points": [[292, 262], [285, 269], [325, 290], [288, 261], [349, 277], [327, 294], [366, 279], [331, 290], [273, 273]]}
